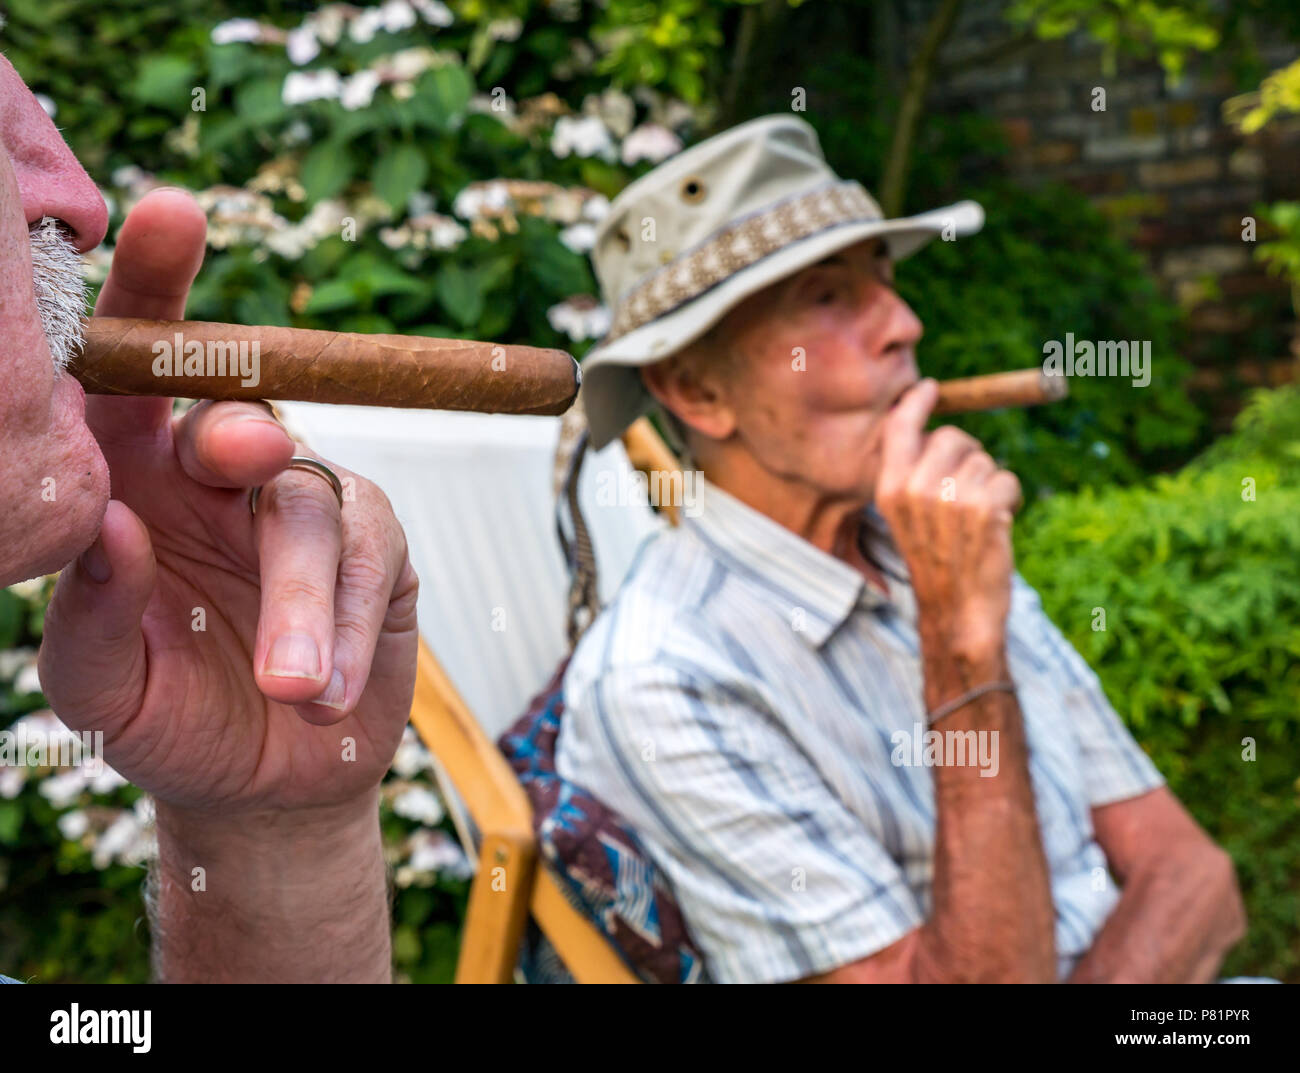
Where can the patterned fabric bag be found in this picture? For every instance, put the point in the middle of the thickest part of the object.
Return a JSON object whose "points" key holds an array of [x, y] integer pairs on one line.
{"points": [[599, 863]]}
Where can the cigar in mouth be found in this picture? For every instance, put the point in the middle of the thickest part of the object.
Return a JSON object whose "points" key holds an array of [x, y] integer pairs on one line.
{"points": [[1024, 387], [203, 360]]}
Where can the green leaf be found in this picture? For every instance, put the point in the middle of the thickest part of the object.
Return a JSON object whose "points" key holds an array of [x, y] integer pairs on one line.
{"points": [[332, 296], [442, 95], [259, 102], [326, 170], [398, 174], [11, 619], [164, 81], [460, 290], [11, 822]]}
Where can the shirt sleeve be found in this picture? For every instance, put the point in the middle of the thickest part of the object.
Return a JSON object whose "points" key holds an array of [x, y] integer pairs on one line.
{"points": [[1114, 766], [775, 878]]}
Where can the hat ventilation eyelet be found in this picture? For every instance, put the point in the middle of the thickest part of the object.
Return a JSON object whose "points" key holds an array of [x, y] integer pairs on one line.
{"points": [[693, 190]]}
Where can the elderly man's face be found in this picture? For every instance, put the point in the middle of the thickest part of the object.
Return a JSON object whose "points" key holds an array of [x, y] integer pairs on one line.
{"points": [[814, 362], [53, 480]]}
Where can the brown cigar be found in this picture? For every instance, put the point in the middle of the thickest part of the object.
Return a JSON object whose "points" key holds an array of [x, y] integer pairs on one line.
{"points": [[198, 360], [1024, 387]]}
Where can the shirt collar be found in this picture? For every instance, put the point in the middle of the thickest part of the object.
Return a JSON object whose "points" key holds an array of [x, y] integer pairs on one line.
{"points": [[793, 574]]}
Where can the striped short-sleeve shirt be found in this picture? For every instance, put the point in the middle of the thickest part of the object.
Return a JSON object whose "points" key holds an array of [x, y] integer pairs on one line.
{"points": [[753, 708]]}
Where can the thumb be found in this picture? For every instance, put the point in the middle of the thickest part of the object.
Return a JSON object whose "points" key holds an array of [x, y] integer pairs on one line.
{"points": [[905, 425], [92, 661]]}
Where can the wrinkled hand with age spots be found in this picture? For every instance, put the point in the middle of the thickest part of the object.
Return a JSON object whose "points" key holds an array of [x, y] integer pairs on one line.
{"points": [[957, 545]]}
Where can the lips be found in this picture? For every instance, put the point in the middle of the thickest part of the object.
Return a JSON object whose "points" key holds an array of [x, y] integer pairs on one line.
{"points": [[901, 392]]}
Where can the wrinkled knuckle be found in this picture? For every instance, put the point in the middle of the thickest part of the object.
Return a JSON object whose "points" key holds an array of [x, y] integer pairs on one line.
{"points": [[364, 568], [300, 498], [300, 591]]}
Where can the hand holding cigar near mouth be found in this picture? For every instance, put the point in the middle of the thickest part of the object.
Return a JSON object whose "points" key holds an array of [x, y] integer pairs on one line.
{"points": [[128, 356]]}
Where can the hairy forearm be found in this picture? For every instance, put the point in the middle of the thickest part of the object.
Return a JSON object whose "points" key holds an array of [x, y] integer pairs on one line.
{"points": [[992, 918], [272, 897], [1175, 922]]}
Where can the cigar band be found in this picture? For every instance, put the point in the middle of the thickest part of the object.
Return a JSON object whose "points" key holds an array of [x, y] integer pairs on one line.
{"points": [[311, 465]]}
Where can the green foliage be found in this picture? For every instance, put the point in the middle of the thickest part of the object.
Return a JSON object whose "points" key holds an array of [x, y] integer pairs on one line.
{"points": [[1199, 577], [1045, 264], [1282, 255], [1169, 31], [1278, 95]]}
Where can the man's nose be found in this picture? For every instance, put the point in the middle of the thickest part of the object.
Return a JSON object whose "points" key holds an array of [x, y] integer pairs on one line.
{"points": [[903, 328], [51, 182]]}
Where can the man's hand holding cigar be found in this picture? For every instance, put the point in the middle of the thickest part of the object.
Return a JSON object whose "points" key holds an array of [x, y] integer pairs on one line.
{"points": [[252, 671]]}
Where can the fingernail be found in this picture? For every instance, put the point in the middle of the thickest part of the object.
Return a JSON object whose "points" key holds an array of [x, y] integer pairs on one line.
{"points": [[293, 655], [95, 563], [335, 693]]}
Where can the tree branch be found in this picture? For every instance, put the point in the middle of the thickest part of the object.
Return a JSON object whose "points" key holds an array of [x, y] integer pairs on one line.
{"points": [[919, 74], [1001, 51]]}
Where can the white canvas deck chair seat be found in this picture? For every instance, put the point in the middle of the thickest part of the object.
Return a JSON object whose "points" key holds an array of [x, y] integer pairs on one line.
{"points": [[475, 493]]}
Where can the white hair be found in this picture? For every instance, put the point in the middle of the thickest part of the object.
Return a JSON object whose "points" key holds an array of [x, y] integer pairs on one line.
{"points": [[60, 289]]}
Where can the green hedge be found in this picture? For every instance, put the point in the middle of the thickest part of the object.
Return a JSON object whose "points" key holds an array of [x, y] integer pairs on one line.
{"points": [[1199, 577]]}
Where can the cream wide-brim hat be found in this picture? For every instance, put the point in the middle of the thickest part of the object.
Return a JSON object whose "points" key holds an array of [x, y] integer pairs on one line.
{"points": [[686, 243]]}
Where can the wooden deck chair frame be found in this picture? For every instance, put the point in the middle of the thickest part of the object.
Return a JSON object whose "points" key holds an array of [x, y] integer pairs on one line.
{"points": [[509, 885]]}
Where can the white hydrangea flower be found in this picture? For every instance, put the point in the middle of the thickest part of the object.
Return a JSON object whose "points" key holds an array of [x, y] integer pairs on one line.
{"points": [[435, 851], [397, 15], [359, 90], [411, 757], [107, 781], [579, 237], [234, 30], [505, 29], [446, 234], [595, 208], [74, 824], [362, 28], [418, 204], [128, 176], [303, 86], [396, 238], [28, 679], [434, 12], [14, 660], [393, 16], [580, 317], [614, 108], [302, 45], [296, 133], [406, 64], [33, 587], [63, 789], [479, 197], [586, 137], [419, 804], [650, 141], [12, 780], [328, 24], [125, 841]]}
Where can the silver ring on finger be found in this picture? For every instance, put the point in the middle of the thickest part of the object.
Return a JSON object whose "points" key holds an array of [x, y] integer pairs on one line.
{"points": [[311, 465]]}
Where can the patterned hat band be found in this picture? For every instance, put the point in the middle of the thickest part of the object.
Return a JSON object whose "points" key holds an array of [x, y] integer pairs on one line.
{"points": [[740, 245]]}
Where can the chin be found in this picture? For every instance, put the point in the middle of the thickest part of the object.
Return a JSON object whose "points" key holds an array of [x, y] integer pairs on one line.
{"points": [[48, 535]]}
